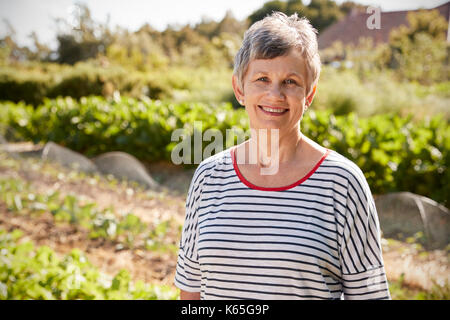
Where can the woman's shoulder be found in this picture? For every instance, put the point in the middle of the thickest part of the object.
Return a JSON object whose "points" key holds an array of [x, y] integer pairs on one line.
{"points": [[346, 167], [217, 161]]}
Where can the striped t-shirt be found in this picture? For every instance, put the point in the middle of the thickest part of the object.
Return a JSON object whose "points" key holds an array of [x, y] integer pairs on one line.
{"points": [[318, 238]]}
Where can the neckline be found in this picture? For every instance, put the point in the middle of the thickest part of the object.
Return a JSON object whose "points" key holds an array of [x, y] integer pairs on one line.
{"points": [[292, 185]]}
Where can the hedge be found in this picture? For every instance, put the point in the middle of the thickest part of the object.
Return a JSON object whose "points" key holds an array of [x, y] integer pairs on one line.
{"points": [[32, 87], [395, 153]]}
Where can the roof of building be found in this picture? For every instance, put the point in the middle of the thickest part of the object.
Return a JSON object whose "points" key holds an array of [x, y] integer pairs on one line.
{"points": [[354, 26]]}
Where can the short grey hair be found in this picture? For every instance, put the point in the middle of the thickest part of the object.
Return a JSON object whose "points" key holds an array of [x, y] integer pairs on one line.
{"points": [[275, 36]]}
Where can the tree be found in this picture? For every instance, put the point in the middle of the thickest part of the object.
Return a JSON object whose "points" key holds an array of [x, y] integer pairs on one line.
{"points": [[347, 7], [83, 38], [321, 13], [41, 51], [267, 9], [419, 50], [427, 21], [229, 24], [10, 50], [207, 28], [296, 6]]}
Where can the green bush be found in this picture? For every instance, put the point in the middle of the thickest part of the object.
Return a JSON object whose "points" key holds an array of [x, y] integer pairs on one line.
{"points": [[419, 50], [96, 125], [32, 85], [16, 86], [343, 91], [395, 153]]}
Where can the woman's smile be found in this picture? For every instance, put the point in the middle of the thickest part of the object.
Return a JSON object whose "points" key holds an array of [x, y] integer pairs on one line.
{"points": [[273, 111]]}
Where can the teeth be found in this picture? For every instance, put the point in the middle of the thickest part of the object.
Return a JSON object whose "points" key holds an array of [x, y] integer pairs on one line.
{"points": [[273, 110]]}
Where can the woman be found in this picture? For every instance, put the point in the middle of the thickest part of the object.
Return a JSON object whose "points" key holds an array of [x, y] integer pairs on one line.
{"points": [[308, 229]]}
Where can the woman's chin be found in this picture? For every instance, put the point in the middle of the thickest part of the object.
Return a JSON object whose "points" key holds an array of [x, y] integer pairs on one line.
{"points": [[270, 125]]}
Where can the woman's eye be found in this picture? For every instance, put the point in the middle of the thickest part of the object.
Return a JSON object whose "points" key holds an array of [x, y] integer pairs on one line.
{"points": [[264, 79], [290, 81]]}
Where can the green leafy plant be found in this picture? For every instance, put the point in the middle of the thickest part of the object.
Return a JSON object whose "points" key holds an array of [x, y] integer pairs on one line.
{"points": [[27, 272], [127, 230]]}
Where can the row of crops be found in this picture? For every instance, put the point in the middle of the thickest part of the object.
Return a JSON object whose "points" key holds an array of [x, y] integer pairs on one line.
{"points": [[127, 231], [395, 153], [29, 272]]}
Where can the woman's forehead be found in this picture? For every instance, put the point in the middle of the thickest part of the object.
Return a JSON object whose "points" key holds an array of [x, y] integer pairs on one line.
{"points": [[291, 63]]}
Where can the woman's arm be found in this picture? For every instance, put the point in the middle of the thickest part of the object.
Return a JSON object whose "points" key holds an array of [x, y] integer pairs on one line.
{"points": [[185, 295], [363, 273], [188, 274]]}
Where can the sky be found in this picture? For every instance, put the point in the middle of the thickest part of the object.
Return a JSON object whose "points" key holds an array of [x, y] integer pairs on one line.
{"points": [[26, 16]]}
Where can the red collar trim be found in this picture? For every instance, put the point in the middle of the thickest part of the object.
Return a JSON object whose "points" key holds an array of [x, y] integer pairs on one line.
{"points": [[252, 186]]}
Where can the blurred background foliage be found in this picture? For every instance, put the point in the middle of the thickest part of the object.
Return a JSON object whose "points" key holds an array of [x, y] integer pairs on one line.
{"points": [[194, 63], [385, 106], [129, 90]]}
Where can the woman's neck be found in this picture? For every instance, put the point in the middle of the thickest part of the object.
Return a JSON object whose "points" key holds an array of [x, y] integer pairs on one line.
{"points": [[271, 148]]}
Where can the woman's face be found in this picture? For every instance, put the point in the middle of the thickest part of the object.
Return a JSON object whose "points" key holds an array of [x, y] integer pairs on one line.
{"points": [[274, 92]]}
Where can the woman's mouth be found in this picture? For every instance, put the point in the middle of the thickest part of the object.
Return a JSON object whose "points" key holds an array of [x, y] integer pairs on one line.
{"points": [[273, 111]]}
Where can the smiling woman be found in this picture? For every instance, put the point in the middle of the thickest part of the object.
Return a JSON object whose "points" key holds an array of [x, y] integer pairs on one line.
{"points": [[307, 230], [274, 94]]}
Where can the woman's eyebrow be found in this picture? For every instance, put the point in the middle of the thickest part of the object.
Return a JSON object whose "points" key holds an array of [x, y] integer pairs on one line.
{"points": [[295, 74], [260, 72], [290, 74]]}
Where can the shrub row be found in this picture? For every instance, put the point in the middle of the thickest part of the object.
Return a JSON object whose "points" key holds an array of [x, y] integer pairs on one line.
{"points": [[395, 153], [340, 90], [33, 86]]}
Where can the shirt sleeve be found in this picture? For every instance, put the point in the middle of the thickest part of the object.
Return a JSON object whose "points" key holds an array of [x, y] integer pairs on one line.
{"points": [[363, 273], [187, 275]]}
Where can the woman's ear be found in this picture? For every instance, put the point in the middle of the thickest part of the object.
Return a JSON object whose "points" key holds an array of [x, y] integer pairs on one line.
{"points": [[238, 93], [310, 98]]}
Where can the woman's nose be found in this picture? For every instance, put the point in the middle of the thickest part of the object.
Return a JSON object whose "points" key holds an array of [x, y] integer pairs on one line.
{"points": [[276, 92]]}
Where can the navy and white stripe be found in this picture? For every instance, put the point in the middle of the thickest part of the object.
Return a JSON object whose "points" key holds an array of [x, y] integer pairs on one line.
{"points": [[317, 240]]}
